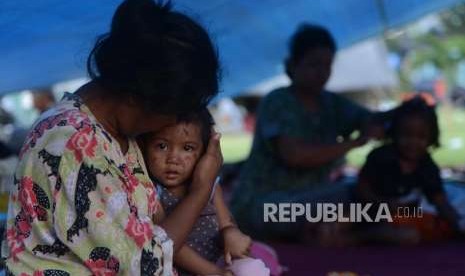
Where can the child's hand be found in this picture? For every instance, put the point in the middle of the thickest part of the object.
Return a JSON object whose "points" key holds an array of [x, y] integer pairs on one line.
{"points": [[236, 244]]}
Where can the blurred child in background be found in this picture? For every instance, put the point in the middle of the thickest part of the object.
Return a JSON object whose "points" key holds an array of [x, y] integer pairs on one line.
{"points": [[401, 171]]}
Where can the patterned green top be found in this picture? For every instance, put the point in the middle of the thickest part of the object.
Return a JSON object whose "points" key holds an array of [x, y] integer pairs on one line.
{"points": [[81, 207], [281, 114]]}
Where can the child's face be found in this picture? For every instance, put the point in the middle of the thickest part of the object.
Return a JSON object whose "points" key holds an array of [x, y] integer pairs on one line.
{"points": [[173, 153], [413, 138]]}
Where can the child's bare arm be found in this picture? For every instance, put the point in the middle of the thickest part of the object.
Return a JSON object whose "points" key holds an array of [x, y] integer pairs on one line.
{"points": [[225, 218], [187, 259], [236, 244]]}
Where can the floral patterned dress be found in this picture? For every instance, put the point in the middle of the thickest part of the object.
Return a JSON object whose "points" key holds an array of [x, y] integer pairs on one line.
{"points": [[81, 207]]}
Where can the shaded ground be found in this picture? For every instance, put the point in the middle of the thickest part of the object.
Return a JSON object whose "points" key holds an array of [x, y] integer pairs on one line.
{"points": [[433, 259]]}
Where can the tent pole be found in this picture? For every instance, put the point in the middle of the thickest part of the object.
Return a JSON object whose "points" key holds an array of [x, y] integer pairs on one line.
{"points": [[384, 18]]}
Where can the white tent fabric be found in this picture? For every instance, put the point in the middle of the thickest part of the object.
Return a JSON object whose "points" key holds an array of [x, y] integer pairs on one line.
{"points": [[350, 72]]}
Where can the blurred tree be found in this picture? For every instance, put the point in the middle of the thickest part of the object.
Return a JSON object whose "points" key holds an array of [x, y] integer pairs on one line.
{"points": [[443, 46], [453, 19], [444, 52], [401, 46]]}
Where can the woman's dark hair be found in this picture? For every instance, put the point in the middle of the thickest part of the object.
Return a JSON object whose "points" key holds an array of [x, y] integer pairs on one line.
{"points": [[416, 107], [307, 37], [161, 57], [204, 119]]}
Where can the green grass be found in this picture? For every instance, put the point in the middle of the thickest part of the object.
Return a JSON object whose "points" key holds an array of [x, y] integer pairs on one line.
{"points": [[452, 150], [450, 154], [235, 147]]}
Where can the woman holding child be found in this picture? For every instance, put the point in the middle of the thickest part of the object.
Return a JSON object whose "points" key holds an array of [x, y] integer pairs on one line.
{"points": [[83, 202]]}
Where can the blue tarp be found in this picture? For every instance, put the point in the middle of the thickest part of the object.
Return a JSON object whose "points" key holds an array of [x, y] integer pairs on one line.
{"points": [[47, 41]]}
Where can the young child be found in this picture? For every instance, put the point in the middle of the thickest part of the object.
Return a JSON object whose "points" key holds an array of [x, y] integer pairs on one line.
{"points": [[171, 157], [402, 170]]}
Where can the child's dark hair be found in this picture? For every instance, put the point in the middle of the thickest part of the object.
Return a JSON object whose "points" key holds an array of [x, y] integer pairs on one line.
{"points": [[307, 37], [157, 56], [203, 118], [415, 107]]}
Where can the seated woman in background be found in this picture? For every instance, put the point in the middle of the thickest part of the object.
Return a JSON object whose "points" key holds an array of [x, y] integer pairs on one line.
{"points": [[301, 138], [401, 171]]}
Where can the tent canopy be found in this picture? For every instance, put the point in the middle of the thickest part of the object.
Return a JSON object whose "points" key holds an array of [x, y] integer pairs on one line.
{"points": [[47, 41]]}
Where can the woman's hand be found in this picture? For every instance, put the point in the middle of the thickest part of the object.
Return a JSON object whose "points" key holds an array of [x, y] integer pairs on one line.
{"points": [[236, 244], [208, 167]]}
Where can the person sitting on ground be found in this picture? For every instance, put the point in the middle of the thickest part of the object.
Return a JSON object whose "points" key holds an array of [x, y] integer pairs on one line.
{"points": [[402, 170], [301, 137]]}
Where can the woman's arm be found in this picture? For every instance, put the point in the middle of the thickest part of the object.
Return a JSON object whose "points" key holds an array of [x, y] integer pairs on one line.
{"points": [[297, 153], [94, 219], [187, 259], [236, 244]]}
